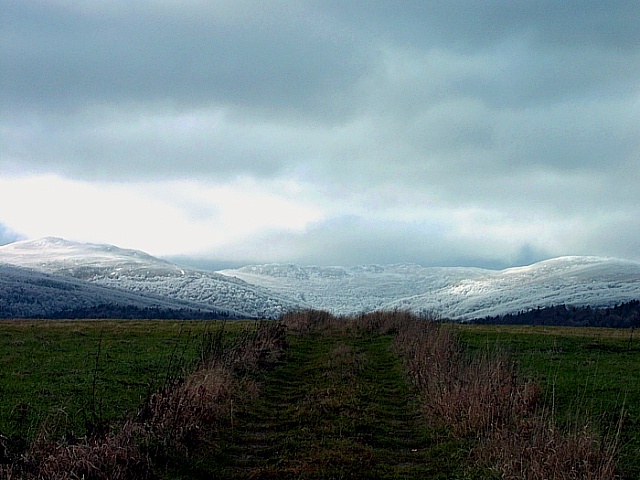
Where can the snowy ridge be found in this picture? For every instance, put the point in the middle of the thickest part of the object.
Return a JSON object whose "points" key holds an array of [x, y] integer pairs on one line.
{"points": [[269, 290], [457, 293], [348, 290], [26, 293], [85, 261], [135, 271]]}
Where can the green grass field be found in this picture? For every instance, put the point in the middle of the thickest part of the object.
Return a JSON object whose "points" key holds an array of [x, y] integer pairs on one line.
{"points": [[338, 408], [73, 372], [584, 371], [341, 396]]}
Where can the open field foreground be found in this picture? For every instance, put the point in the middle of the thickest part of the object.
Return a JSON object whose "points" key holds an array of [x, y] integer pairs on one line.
{"points": [[68, 370], [584, 372], [385, 395]]}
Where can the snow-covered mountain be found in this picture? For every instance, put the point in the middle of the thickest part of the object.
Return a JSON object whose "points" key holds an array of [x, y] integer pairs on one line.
{"points": [[457, 293], [347, 290], [26, 293], [135, 271], [268, 290]]}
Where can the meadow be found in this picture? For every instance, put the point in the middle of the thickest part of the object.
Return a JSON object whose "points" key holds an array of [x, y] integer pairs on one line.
{"points": [[74, 373], [585, 372], [346, 400]]}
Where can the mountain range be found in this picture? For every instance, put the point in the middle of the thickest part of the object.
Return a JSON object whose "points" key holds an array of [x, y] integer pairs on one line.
{"points": [[51, 277]]}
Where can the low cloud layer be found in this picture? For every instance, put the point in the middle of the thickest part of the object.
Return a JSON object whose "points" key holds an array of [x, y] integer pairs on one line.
{"points": [[473, 133], [7, 236]]}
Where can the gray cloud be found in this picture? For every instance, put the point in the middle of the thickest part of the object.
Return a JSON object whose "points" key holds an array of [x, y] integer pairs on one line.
{"points": [[546, 78], [352, 240], [524, 109], [65, 56], [620, 237], [8, 236], [468, 26]]}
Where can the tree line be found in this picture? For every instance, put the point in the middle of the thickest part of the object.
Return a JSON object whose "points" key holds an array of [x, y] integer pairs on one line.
{"points": [[624, 315]]}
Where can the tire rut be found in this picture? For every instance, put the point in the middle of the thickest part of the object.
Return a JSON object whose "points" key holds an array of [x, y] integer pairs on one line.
{"points": [[339, 407]]}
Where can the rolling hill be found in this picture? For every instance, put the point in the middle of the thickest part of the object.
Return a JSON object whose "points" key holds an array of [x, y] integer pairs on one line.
{"points": [[136, 272], [456, 293], [26, 293], [266, 291]]}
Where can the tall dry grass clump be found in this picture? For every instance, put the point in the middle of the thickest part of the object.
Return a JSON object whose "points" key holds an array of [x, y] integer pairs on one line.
{"points": [[180, 416], [307, 321], [113, 456], [481, 396], [184, 413], [258, 348], [176, 421], [540, 449]]}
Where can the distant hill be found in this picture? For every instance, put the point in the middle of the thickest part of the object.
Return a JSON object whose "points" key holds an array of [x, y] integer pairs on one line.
{"points": [[456, 293], [138, 272], [266, 291], [26, 293]]}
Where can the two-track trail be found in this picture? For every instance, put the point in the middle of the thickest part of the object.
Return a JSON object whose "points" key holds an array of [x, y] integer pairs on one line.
{"points": [[339, 406]]}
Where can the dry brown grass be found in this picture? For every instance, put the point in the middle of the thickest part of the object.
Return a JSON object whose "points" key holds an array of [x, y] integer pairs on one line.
{"points": [[182, 415], [306, 321], [483, 397], [8, 472], [186, 413], [539, 449], [110, 457]]}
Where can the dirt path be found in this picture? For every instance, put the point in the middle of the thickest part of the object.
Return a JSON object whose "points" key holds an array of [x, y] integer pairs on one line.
{"points": [[339, 407]]}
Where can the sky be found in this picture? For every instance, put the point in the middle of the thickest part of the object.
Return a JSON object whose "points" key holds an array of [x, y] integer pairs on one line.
{"points": [[444, 133]]}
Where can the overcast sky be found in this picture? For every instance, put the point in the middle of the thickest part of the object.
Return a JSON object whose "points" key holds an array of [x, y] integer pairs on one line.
{"points": [[484, 133]]}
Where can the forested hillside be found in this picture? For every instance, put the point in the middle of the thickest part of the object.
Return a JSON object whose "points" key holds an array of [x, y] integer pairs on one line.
{"points": [[624, 315]]}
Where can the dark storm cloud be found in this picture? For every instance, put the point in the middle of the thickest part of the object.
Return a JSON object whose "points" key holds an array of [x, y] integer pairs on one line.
{"points": [[140, 88], [150, 88], [527, 53]]}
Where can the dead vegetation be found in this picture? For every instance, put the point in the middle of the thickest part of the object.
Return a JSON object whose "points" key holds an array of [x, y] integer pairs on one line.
{"points": [[483, 396]]}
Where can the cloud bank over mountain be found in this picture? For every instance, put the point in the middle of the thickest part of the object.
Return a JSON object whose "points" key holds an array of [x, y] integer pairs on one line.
{"points": [[476, 133]]}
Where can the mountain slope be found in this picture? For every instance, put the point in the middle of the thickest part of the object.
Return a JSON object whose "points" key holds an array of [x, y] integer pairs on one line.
{"points": [[347, 290], [135, 271], [577, 281], [268, 290], [457, 293], [26, 293]]}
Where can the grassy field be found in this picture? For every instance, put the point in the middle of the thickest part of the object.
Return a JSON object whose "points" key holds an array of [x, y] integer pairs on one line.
{"points": [[77, 372], [337, 406], [584, 371]]}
